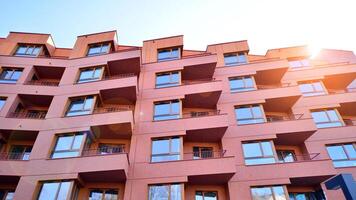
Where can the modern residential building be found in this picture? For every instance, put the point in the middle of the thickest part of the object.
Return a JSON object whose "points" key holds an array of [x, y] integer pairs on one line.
{"points": [[159, 122]]}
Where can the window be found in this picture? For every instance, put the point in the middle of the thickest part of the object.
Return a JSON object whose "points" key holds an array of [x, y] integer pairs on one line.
{"points": [[296, 64], [60, 190], [7, 194], [203, 152], [167, 149], [326, 118], [286, 156], [111, 148], [2, 102], [90, 74], [98, 49], [343, 155], [242, 84], [68, 146], [268, 193], [312, 88], [28, 50], [165, 192], [104, 194], [199, 195], [167, 110], [20, 152], [257, 153], [235, 58], [81, 106], [167, 79], [303, 196], [168, 54], [10, 75], [251, 114]]}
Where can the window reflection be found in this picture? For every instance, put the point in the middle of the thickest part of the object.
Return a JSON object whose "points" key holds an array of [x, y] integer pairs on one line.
{"points": [[242, 84], [68, 146], [343, 155], [256, 153], [166, 149], [167, 110], [168, 54], [326, 118], [251, 114]]}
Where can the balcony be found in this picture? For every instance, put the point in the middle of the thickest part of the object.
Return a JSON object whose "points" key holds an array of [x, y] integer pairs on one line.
{"points": [[264, 92], [198, 111], [46, 76], [16, 145], [213, 166], [30, 107], [279, 120], [303, 167], [268, 72]]}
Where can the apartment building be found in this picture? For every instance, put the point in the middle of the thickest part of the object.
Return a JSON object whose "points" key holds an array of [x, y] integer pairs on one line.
{"points": [[109, 121]]}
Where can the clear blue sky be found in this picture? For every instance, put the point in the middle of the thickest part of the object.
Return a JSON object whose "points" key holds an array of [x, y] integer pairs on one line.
{"points": [[266, 24]]}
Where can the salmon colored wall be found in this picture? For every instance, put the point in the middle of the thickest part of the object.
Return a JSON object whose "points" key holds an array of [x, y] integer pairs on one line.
{"points": [[150, 47], [81, 45], [231, 47]]}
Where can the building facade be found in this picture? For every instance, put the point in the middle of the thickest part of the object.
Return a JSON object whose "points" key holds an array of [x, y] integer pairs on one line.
{"points": [[108, 121]]}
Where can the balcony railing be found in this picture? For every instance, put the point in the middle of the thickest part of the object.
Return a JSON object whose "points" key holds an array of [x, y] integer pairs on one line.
{"points": [[197, 81], [119, 108], [348, 90], [43, 82], [276, 118], [203, 155], [350, 122], [200, 114], [118, 76], [262, 87], [300, 158], [14, 156], [103, 151], [28, 115]]}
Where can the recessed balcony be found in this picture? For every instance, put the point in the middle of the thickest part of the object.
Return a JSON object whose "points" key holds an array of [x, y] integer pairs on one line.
{"points": [[16, 145], [46, 76], [30, 106]]}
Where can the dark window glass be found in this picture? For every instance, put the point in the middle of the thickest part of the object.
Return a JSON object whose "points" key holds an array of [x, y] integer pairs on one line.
{"points": [[20, 152], [202, 152], [166, 149], [168, 54], [286, 156], [167, 110], [111, 148]]}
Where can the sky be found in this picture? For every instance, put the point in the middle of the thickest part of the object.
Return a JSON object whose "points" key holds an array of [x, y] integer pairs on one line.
{"points": [[265, 24]]}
